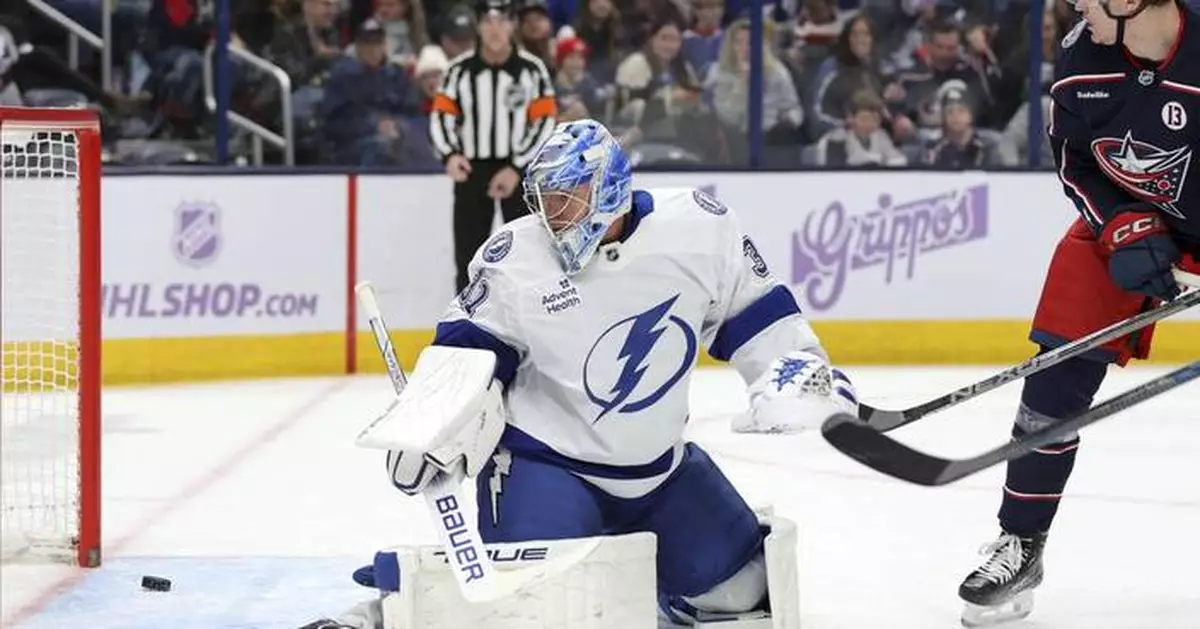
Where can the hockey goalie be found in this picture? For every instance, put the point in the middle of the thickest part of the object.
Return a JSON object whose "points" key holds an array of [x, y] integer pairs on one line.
{"points": [[558, 384]]}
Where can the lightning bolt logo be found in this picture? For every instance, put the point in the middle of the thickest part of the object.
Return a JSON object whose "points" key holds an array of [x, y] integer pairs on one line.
{"points": [[503, 467], [645, 330]]}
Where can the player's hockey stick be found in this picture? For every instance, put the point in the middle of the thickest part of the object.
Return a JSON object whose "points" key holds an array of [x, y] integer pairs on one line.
{"points": [[885, 454], [478, 579], [885, 420]]}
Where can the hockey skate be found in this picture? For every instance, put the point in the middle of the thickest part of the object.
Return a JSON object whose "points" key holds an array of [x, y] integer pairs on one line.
{"points": [[1001, 590]]}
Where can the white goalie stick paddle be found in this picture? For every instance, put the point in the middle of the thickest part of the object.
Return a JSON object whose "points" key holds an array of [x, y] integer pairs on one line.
{"points": [[884, 454], [885, 420], [478, 579]]}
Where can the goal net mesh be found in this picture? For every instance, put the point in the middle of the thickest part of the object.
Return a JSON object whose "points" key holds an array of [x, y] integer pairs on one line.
{"points": [[39, 331]]}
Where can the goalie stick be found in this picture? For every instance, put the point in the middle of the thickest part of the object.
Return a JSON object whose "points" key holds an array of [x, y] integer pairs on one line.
{"points": [[882, 453], [885, 420], [457, 531]]}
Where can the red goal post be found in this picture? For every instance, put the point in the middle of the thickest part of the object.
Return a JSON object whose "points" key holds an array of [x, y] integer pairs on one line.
{"points": [[50, 319]]}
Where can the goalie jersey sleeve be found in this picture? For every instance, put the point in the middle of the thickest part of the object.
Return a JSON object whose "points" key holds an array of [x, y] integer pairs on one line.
{"points": [[476, 321], [754, 319]]}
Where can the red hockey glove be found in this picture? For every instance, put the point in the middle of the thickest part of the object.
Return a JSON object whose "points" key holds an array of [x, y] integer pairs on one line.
{"points": [[1142, 253]]}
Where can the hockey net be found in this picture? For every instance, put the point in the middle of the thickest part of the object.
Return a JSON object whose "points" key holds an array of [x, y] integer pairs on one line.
{"points": [[50, 336]]}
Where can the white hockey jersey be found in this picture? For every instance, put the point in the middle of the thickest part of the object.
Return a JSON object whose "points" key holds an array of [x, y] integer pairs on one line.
{"points": [[597, 365]]}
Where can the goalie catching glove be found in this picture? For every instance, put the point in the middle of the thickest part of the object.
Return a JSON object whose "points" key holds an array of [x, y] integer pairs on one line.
{"points": [[796, 393], [451, 413]]}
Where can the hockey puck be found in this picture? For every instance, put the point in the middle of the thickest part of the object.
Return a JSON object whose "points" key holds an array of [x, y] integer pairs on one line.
{"points": [[158, 584]]}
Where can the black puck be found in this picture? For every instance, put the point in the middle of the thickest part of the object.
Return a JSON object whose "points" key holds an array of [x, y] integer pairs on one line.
{"points": [[158, 584]]}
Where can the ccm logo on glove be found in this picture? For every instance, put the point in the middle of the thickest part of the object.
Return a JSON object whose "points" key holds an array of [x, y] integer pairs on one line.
{"points": [[1129, 228]]}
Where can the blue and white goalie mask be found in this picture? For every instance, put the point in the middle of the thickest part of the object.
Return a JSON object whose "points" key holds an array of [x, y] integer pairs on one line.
{"points": [[579, 182]]}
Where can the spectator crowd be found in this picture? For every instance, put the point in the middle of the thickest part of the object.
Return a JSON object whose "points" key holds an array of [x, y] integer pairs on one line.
{"points": [[845, 83]]}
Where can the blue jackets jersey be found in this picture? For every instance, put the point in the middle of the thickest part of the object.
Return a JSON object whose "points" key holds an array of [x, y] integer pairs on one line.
{"points": [[1125, 131]]}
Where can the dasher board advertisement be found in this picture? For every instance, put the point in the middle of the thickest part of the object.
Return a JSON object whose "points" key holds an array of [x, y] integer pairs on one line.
{"points": [[211, 255]]}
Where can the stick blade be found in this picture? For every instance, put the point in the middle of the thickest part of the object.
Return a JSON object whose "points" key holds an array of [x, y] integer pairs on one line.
{"points": [[865, 444]]}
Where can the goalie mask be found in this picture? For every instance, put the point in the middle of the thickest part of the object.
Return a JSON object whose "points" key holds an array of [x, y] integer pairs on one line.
{"points": [[580, 182]]}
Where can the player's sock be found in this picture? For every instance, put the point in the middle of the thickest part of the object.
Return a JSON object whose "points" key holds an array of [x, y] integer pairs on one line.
{"points": [[1035, 482]]}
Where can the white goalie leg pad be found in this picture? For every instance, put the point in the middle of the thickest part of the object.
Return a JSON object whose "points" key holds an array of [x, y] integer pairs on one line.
{"points": [[613, 587], [745, 588], [739, 593], [451, 409], [783, 575]]}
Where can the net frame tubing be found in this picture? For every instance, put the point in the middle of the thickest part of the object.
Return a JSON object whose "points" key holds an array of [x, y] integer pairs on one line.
{"points": [[86, 125]]}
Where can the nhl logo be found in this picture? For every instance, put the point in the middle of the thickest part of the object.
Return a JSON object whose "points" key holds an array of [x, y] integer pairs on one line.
{"points": [[1146, 77], [197, 233]]}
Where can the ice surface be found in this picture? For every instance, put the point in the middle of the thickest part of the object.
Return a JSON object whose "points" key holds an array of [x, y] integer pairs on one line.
{"points": [[252, 498]]}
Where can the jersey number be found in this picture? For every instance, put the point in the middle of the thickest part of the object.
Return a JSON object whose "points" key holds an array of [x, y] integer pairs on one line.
{"points": [[1174, 116], [757, 264], [473, 296]]}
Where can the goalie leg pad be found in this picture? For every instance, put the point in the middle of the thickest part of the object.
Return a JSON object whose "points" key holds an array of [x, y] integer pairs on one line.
{"points": [[783, 575], [610, 588], [773, 573], [742, 592]]}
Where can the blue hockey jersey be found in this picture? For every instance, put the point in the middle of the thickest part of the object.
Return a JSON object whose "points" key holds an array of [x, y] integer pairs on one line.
{"points": [[1125, 131]]}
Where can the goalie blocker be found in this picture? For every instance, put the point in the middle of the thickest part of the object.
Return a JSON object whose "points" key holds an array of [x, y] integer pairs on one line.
{"points": [[710, 559]]}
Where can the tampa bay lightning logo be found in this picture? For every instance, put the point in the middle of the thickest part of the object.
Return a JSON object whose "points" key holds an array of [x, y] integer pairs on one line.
{"points": [[657, 348]]}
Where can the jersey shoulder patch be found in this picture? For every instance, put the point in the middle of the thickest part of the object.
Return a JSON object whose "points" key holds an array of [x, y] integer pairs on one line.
{"points": [[519, 254], [708, 203], [513, 243], [498, 247]]}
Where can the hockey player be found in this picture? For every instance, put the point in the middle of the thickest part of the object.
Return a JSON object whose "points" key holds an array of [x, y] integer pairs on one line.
{"points": [[595, 307], [1124, 127]]}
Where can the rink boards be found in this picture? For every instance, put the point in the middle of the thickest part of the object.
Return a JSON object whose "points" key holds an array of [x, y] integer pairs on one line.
{"points": [[215, 276]]}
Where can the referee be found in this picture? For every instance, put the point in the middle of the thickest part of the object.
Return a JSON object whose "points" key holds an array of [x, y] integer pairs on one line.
{"points": [[493, 110]]}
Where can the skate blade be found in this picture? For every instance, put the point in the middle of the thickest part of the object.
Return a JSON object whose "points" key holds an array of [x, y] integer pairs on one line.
{"points": [[1016, 608]]}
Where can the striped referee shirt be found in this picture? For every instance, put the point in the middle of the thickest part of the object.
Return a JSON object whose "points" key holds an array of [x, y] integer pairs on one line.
{"points": [[486, 112]]}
